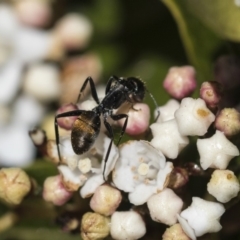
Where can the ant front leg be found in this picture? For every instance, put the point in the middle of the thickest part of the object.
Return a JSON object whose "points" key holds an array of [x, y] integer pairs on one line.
{"points": [[93, 90], [66, 114], [110, 131], [118, 117], [109, 83]]}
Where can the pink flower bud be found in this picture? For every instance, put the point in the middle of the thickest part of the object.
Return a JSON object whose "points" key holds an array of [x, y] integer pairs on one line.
{"points": [[66, 122], [228, 121], [210, 92], [180, 82], [138, 119], [55, 192]]}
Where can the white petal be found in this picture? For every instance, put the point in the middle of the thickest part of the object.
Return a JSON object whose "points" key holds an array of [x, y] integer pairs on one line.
{"points": [[141, 194], [168, 139], [186, 228], [91, 185], [163, 175], [167, 111], [123, 179]]}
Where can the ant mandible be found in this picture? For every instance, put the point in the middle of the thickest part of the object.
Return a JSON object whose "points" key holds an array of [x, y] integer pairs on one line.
{"points": [[87, 126]]}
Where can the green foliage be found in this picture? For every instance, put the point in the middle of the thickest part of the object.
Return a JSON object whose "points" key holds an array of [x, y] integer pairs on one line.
{"points": [[200, 43]]}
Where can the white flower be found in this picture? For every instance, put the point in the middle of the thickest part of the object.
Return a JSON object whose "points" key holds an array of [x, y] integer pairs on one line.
{"points": [[193, 117], [216, 151], [167, 111], [167, 138], [165, 206], [141, 170], [202, 216], [127, 225], [85, 168], [223, 185]]}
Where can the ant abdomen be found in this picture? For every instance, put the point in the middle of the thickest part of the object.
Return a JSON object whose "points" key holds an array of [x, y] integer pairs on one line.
{"points": [[85, 131]]}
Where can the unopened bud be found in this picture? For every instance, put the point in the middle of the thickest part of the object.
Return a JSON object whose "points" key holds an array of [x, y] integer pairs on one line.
{"points": [[127, 225], [180, 82], [175, 232], [15, 185], [105, 200], [228, 121], [55, 192], [211, 93], [94, 226], [138, 119], [178, 178], [51, 151], [66, 122], [38, 137]]}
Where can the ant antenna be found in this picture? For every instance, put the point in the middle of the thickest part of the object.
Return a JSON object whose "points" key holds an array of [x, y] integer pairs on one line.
{"points": [[156, 105]]}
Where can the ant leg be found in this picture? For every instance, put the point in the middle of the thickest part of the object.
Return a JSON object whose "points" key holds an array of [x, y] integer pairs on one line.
{"points": [[110, 131], [93, 90], [118, 117], [66, 114], [109, 83]]}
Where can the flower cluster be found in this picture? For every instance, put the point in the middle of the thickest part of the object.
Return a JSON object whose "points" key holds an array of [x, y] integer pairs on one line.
{"points": [[31, 78], [149, 172]]}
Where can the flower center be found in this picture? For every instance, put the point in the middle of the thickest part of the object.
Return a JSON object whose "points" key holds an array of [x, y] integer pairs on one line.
{"points": [[143, 169], [85, 165]]}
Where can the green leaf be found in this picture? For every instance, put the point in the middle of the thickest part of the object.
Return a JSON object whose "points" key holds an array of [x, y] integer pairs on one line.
{"points": [[222, 16], [199, 42], [41, 169]]}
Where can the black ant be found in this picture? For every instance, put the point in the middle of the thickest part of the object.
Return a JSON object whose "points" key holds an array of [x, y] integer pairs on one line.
{"points": [[87, 126]]}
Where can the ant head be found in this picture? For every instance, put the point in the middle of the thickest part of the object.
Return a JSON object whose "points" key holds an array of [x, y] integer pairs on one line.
{"points": [[138, 89]]}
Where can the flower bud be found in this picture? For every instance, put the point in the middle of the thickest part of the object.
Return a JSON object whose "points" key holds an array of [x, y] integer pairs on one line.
{"points": [[180, 82], [228, 121], [223, 185], [52, 151], [210, 92], [74, 31], [165, 206], [138, 119], [167, 111], [132, 224], [175, 232], [94, 226], [15, 185], [74, 73], [203, 216], [105, 200], [55, 192], [216, 151], [178, 178], [33, 13], [67, 122], [43, 82], [193, 117], [38, 137]]}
